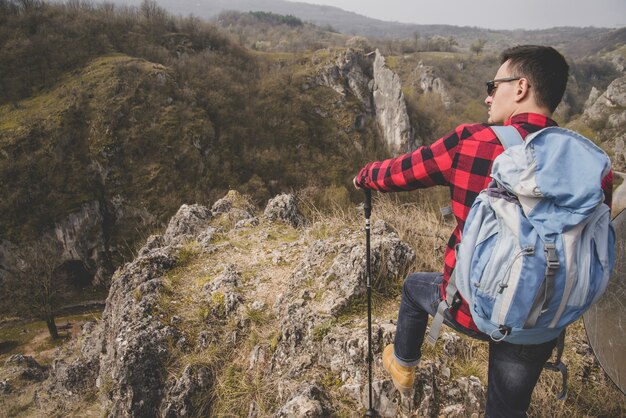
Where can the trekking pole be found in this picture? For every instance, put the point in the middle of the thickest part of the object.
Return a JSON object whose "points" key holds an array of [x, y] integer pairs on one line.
{"points": [[371, 412]]}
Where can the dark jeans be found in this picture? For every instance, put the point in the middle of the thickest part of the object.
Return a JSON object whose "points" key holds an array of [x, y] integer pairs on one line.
{"points": [[513, 369]]}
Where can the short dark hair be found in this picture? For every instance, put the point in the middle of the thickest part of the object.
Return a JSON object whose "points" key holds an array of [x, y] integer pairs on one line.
{"points": [[544, 67]]}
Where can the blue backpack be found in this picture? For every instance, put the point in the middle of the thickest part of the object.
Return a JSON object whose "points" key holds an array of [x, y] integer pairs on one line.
{"points": [[538, 245]]}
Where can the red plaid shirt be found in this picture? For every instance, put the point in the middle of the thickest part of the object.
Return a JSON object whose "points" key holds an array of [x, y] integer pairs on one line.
{"points": [[462, 161]]}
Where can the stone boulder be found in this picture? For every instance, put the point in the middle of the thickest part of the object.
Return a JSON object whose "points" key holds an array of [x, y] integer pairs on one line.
{"points": [[284, 207], [186, 223], [24, 368], [310, 402]]}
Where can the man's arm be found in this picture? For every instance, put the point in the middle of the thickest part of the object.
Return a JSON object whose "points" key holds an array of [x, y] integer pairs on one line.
{"points": [[425, 167], [607, 188]]}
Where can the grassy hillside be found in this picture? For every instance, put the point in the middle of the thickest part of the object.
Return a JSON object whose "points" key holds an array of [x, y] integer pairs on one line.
{"points": [[153, 111]]}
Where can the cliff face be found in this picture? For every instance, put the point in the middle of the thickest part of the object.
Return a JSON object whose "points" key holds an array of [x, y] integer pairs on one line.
{"points": [[379, 90], [391, 113]]}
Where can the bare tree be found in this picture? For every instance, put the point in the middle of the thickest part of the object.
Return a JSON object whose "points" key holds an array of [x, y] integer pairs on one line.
{"points": [[37, 289]]}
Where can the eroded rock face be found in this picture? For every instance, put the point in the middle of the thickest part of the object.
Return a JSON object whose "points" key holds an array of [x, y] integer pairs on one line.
{"points": [[390, 107], [135, 344], [429, 82], [346, 75]]}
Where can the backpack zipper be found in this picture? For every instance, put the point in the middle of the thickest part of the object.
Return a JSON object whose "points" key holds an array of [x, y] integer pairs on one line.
{"points": [[504, 284]]}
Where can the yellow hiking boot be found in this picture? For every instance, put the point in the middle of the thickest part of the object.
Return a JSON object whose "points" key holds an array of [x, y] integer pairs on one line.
{"points": [[403, 377]]}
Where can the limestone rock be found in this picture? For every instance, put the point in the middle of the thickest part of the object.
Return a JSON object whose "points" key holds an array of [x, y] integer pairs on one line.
{"points": [[612, 100], [82, 242], [81, 374], [23, 367], [430, 83], [222, 293], [346, 75], [390, 107], [233, 199], [594, 95], [183, 396], [124, 354], [310, 402], [607, 115], [284, 207], [135, 344], [187, 223]]}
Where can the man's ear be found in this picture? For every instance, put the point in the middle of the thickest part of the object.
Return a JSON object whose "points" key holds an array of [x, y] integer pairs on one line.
{"points": [[521, 89]]}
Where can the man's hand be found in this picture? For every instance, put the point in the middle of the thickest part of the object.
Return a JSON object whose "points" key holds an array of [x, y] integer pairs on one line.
{"points": [[356, 184]]}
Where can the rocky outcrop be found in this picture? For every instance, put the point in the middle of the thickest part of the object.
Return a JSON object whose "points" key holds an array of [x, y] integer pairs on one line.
{"points": [[188, 222], [80, 374], [135, 344], [607, 115], [378, 89], [612, 101], [284, 208], [81, 237], [427, 80], [390, 107], [25, 368], [346, 75], [306, 290]]}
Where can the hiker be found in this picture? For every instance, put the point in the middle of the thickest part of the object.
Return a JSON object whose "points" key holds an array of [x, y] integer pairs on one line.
{"points": [[524, 93]]}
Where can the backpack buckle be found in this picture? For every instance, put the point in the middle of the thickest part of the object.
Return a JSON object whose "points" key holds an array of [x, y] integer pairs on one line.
{"points": [[552, 260]]}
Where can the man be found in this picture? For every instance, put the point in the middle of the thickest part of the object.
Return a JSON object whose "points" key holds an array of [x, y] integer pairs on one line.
{"points": [[524, 93]]}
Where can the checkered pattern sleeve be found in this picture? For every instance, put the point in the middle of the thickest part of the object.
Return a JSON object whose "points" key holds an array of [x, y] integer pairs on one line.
{"points": [[461, 160], [427, 166]]}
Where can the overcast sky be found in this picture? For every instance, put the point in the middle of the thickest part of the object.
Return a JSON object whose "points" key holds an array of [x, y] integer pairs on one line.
{"points": [[492, 14]]}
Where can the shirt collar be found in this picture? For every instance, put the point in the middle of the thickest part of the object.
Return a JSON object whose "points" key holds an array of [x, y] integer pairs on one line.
{"points": [[532, 119]]}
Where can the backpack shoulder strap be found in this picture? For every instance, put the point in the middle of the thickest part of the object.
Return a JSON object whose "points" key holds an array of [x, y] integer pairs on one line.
{"points": [[508, 135]]}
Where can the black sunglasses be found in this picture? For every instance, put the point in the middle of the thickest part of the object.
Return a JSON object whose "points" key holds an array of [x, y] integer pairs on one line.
{"points": [[491, 85]]}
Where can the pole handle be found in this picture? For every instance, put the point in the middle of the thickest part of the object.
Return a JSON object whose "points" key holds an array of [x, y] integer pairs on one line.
{"points": [[368, 203]]}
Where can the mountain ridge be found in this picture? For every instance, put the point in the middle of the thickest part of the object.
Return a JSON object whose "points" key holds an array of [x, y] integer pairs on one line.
{"points": [[355, 24]]}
